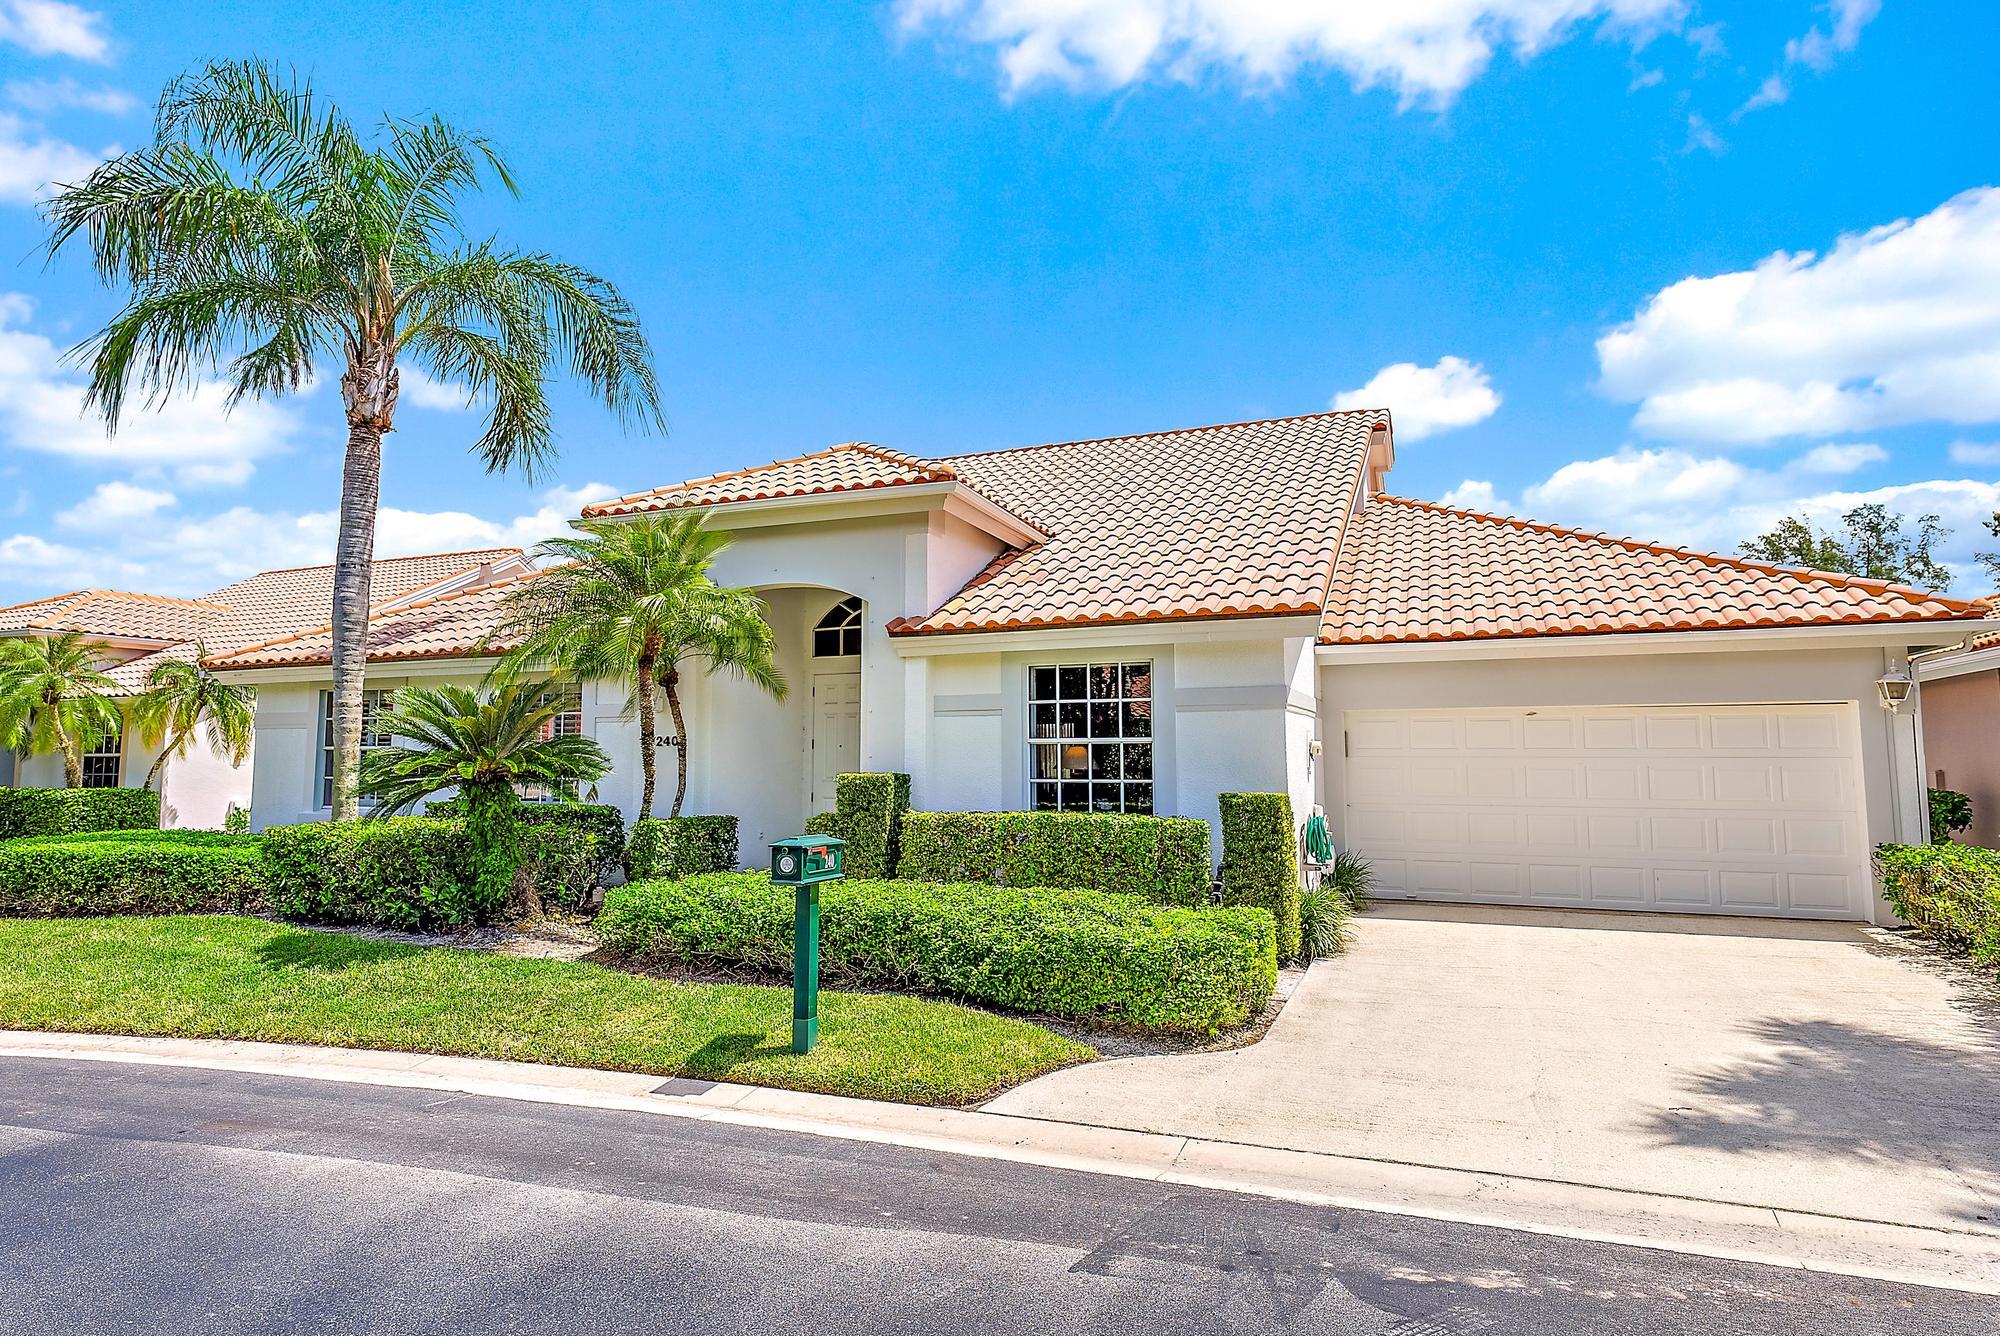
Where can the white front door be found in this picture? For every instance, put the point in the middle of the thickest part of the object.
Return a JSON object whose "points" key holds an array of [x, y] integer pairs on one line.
{"points": [[836, 733], [1702, 809]]}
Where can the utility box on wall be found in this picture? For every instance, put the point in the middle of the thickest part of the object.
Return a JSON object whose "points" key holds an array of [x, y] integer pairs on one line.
{"points": [[806, 860]]}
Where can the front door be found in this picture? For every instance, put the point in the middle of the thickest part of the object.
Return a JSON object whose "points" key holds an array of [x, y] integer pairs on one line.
{"points": [[836, 733]]}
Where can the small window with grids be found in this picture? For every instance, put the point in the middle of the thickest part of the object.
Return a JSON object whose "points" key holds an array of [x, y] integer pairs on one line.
{"points": [[838, 634], [566, 722], [1090, 737], [103, 763], [372, 704]]}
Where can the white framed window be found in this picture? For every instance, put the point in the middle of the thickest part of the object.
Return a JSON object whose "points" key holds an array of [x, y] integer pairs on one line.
{"points": [[104, 764], [1090, 737], [567, 722], [838, 634], [372, 703]]}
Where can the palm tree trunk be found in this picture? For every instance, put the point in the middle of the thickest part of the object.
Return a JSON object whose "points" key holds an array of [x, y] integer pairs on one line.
{"points": [[369, 392], [72, 761], [167, 747], [680, 737], [644, 689]]}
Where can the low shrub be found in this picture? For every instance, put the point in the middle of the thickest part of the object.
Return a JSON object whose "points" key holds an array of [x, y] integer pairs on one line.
{"points": [[601, 820], [1951, 812], [1949, 892], [1164, 859], [1323, 916], [820, 823], [1114, 960], [1260, 860], [1353, 876], [25, 812], [412, 872], [681, 846], [131, 872], [867, 813]]}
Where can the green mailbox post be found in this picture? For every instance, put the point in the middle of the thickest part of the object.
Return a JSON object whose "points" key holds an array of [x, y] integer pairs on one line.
{"points": [[803, 863]]}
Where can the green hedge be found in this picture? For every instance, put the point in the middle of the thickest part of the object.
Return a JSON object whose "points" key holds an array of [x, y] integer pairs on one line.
{"points": [[410, 872], [681, 846], [1109, 959], [1162, 858], [867, 813], [821, 823], [1951, 812], [25, 812], [131, 872], [601, 820], [1260, 860], [1950, 892]]}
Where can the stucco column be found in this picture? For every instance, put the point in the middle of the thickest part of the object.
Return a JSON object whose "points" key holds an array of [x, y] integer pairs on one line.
{"points": [[1906, 745]]}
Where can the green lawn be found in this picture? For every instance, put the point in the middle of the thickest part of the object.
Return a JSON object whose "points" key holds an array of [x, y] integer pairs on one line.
{"points": [[220, 976]]}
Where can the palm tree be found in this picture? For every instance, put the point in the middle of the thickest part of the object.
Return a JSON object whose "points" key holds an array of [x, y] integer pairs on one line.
{"points": [[486, 748], [259, 228], [633, 602], [52, 699], [181, 696]]}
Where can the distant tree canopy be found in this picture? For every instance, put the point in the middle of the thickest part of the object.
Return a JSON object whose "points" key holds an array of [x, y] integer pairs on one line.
{"points": [[1870, 542], [1991, 560]]}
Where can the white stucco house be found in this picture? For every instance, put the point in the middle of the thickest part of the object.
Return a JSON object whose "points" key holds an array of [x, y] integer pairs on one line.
{"points": [[1491, 709], [135, 632]]}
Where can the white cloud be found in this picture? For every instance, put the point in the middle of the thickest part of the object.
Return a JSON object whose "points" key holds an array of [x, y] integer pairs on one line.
{"points": [[1841, 458], [32, 162], [114, 503], [1425, 400], [1975, 452], [1702, 135], [1473, 494], [47, 95], [1895, 325], [1819, 47], [52, 28], [1774, 91], [1426, 52], [420, 391]]}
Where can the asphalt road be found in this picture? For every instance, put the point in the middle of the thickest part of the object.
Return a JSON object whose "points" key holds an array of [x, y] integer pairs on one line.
{"points": [[158, 1199]]}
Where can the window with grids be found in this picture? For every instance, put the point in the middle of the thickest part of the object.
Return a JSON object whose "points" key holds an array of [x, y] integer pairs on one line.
{"points": [[371, 706], [839, 632], [567, 722], [1090, 737], [102, 763]]}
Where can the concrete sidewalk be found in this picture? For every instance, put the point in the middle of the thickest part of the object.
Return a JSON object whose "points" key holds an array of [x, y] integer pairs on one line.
{"points": [[1955, 1259]]}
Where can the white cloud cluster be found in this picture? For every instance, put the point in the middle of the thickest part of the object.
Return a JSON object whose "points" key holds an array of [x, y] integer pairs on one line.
{"points": [[1426, 51], [1425, 400], [1895, 325], [53, 28], [1816, 49], [33, 162], [64, 94]]}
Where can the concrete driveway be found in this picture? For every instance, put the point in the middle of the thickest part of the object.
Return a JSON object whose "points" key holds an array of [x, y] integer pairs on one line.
{"points": [[1829, 1068]]}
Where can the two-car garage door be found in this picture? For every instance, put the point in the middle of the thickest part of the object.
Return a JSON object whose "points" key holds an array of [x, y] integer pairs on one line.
{"points": [[1710, 809]]}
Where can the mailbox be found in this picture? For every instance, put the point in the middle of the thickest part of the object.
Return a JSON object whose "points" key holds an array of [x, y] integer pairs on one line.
{"points": [[807, 860]]}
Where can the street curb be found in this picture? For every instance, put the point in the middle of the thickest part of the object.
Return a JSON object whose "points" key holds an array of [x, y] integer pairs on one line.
{"points": [[1875, 1250]]}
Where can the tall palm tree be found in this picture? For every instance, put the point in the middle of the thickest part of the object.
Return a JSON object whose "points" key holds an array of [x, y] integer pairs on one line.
{"points": [[182, 696], [52, 699], [486, 748], [633, 602], [260, 229]]}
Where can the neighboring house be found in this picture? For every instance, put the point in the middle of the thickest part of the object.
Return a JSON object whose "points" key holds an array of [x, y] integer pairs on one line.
{"points": [[1490, 709], [1961, 714], [138, 631]]}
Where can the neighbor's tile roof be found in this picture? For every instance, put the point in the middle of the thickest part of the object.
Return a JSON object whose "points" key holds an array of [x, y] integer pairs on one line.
{"points": [[437, 628], [1228, 521], [1417, 571], [855, 466], [113, 612]]}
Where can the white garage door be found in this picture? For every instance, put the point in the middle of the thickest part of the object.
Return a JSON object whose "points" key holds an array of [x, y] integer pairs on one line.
{"points": [[1718, 810]]}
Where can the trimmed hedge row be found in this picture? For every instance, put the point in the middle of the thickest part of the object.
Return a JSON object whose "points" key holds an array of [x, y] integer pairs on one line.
{"points": [[602, 820], [1164, 859], [1949, 892], [25, 812], [1260, 860], [681, 846], [1109, 959], [867, 813], [132, 872]]}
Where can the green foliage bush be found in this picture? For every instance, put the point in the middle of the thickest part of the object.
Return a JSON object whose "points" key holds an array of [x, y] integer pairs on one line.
{"points": [[820, 823], [601, 820], [1323, 916], [25, 812], [867, 813], [681, 846], [1114, 960], [131, 872], [1164, 859], [412, 872], [1951, 812], [1950, 892], [1260, 860]]}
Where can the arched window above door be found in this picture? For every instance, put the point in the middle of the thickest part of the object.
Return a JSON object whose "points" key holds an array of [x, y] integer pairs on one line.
{"points": [[838, 634]]}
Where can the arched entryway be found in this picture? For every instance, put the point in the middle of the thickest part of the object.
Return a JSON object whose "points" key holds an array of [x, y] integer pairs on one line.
{"points": [[833, 742]]}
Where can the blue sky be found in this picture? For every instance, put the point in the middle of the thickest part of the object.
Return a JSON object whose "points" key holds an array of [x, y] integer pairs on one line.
{"points": [[1659, 267]]}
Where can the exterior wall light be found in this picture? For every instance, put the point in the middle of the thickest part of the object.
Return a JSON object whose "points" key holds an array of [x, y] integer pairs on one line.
{"points": [[1894, 688]]}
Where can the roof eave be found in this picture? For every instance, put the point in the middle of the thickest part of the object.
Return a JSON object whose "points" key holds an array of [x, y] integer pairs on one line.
{"points": [[1903, 632]]}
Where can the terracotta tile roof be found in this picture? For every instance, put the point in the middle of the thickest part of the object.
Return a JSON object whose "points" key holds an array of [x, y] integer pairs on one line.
{"points": [[115, 613], [855, 466], [451, 626], [1228, 521], [273, 604], [1416, 571]]}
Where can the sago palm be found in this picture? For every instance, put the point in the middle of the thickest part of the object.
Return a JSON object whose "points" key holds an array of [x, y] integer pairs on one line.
{"points": [[180, 697], [53, 699], [262, 234], [632, 601], [488, 747]]}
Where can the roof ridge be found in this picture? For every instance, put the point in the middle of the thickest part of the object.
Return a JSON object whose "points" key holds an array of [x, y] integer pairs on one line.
{"points": [[379, 561], [1712, 558], [923, 464], [1380, 415], [48, 598], [221, 660]]}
